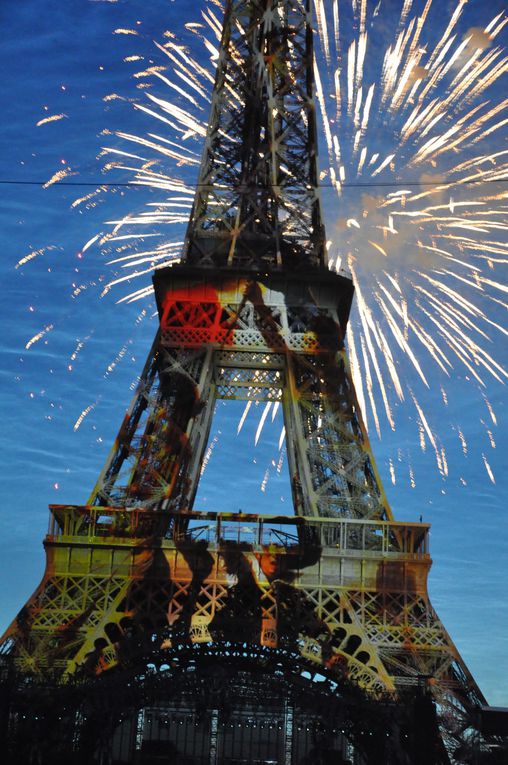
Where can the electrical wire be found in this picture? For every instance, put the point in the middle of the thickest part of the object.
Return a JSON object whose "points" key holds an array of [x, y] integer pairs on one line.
{"points": [[380, 184]]}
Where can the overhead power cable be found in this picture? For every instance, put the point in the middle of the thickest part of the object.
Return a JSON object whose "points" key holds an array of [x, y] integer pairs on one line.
{"points": [[379, 184]]}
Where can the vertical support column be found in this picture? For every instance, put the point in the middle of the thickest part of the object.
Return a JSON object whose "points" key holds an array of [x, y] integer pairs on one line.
{"points": [[199, 429], [184, 373], [214, 735], [140, 726], [120, 450], [78, 724], [294, 478], [288, 732], [297, 448]]}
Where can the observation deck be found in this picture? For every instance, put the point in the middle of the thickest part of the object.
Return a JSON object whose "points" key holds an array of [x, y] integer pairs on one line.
{"points": [[134, 526]]}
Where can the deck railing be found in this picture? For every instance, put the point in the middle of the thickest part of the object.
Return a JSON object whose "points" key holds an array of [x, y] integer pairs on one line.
{"points": [[120, 526]]}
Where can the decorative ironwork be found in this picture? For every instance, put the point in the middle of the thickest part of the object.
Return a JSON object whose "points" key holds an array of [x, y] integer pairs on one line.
{"points": [[257, 203], [137, 579]]}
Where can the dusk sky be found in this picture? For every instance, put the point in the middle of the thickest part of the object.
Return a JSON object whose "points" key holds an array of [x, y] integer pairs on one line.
{"points": [[71, 353]]}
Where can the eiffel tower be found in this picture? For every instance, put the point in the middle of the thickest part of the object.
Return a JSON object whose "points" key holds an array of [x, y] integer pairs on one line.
{"points": [[161, 633]]}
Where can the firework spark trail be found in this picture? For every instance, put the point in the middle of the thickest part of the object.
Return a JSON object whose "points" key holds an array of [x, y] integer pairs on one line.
{"points": [[38, 336], [52, 118], [157, 146], [87, 198], [491, 411], [34, 254], [86, 411], [262, 421], [470, 73], [426, 427], [421, 107], [208, 454], [488, 469], [392, 471], [244, 415], [370, 329], [58, 176], [356, 373]]}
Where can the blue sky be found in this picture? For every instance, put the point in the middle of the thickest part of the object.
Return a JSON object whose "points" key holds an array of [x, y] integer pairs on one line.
{"points": [[63, 58]]}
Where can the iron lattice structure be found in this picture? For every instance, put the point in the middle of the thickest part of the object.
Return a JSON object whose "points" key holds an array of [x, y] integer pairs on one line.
{"points": [[137, 577], [257, 204]]}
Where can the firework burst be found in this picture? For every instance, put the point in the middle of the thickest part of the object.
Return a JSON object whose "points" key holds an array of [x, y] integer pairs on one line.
{"points": [[421, 212], [412, 167]]}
